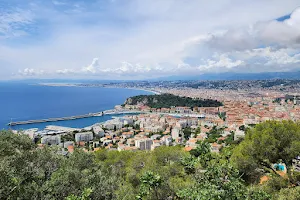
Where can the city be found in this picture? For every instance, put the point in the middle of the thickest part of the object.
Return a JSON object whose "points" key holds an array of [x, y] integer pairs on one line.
{"points": [[245, 103]]}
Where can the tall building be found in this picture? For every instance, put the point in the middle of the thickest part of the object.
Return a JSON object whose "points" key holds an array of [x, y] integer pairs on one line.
{"points": [[51, 140], [98, 131], [144, 144], [84, 137], [176, 133]]}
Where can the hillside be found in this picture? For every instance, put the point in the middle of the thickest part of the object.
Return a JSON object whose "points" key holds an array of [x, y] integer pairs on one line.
{"points": [[168, 172], [169, 100]]}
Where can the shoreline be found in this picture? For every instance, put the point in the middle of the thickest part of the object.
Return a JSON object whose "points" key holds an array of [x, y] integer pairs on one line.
{"points": [[76, 85]]}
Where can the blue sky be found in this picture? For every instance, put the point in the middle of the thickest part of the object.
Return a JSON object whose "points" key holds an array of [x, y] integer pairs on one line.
{"points": [[136, 39]]}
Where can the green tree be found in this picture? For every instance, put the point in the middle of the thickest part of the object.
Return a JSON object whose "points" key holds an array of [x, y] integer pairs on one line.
{"points": [[84, 196], [17, 171], [150, 184], [289, 193], [187, 133], [203, 152], [218, 181], [269, 142], [189, 164]]}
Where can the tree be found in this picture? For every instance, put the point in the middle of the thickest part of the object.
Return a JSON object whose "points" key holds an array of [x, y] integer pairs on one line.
{"points": [[218, 181], [187, 133], [289, 193], [222, 115], [203, 152], [137, 127], [189, 164], [169, 100], [17, 171], [197, 131], [269, 142], [165, 155], [150, 183], [84, 196]]}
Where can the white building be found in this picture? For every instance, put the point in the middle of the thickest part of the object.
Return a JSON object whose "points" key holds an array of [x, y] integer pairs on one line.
{"points": [[166, 140], [98, 131], [144, 144], [239, 134], [176, 133], [128, 121], [51, 140], [154, 129], [117, 123], [84, 137]]}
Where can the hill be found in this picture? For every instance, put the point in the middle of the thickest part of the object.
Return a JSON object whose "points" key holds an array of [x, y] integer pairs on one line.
{"points": [[169, 100]]}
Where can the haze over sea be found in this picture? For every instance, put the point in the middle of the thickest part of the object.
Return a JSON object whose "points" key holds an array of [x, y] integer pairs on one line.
{"points": [[19, 102]]}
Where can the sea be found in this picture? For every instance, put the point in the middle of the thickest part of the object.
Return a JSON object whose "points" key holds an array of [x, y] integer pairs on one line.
{"points": [[21, 101]]}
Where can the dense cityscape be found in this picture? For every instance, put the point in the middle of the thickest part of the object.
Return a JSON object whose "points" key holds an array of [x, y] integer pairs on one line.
{"points": [[245, 103]]}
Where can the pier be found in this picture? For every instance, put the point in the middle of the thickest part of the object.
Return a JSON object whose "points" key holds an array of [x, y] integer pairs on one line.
{"points": [[50, 120], [98, 114]]}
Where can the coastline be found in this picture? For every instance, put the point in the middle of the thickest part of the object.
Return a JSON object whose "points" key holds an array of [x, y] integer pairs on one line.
{"points": [[141, 89], [77, 85]]}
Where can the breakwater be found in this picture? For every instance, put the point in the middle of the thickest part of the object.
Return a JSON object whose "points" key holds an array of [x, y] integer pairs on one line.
{"points": [[107, 112], [50, 120]]}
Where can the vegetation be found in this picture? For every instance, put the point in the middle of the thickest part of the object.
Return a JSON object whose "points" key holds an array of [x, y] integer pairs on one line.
{"points": [[222, 115], [187, 133], [214, 134], [267, 143], [169, 100], [28, 172]]}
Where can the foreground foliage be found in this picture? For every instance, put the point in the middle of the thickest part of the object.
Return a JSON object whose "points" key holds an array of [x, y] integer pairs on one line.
{"points": [[28, 172], [267, 143]]}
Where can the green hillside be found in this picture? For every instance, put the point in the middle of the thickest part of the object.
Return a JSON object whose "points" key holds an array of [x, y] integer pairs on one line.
{"points": [[169, 100]]}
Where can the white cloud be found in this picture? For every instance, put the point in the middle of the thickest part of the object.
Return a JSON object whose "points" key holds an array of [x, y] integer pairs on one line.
{"points": [[65, 71], [92, 68], [30, 72], [11, 22], [285, 33], [275, 56], [223, 61], [275, 33], [151, 38]]}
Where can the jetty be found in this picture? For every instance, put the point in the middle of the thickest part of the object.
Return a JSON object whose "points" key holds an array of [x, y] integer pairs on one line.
{"points": [[98, 114], [50, 120]]}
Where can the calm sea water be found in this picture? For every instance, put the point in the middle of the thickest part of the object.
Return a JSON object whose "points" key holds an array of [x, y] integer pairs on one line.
{"points": [[20, 102]]}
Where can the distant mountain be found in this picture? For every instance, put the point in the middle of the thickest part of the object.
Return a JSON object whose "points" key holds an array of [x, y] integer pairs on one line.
{"points": [[207, 76], [234, 76]]}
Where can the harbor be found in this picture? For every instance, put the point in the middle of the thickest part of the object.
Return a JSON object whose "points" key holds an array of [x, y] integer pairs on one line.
{"points": [[97, 114]]}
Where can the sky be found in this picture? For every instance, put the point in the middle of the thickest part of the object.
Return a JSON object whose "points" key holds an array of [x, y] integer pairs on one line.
{"points": [[142, 39]]}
